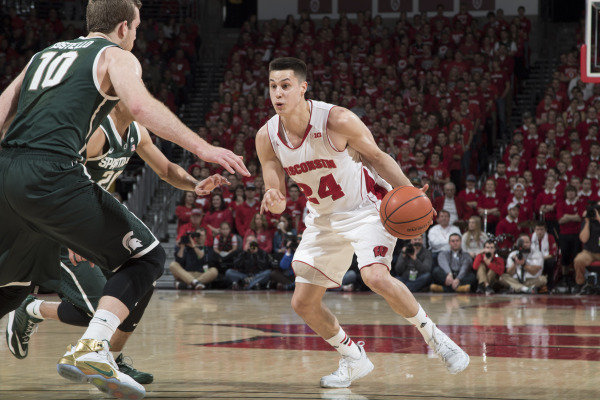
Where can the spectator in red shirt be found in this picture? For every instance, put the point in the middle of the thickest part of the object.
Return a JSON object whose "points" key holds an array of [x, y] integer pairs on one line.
{"points": [[470, 195], [245, 211], [569, 213], [258, 229], [183, 211], [196, 221], [545, 205], [508, 229], [455, 206], [217, 213], [489, 267], [488, 206], [295, 206]]}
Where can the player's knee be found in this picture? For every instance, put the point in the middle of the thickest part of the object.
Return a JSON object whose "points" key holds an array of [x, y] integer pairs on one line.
{"points": [[375, 277], [301, 306], [155, 259]]}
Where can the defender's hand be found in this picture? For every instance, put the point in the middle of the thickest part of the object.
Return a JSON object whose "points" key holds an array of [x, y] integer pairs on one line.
{"points": [[227, 159], [204, 187]]}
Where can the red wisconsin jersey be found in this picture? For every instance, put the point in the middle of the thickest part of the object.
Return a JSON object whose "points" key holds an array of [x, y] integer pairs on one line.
{"points": [[332, 180]]}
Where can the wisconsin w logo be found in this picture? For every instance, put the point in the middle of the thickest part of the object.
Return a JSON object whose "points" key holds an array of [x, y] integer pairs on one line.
{"points": [[380, 251]]}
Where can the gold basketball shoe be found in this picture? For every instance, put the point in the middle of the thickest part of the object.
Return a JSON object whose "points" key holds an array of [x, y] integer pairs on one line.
{"points": [[90, 361]]}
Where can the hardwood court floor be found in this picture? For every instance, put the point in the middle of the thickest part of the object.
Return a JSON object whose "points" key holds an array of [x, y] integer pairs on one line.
{"points": [[251, 345]]}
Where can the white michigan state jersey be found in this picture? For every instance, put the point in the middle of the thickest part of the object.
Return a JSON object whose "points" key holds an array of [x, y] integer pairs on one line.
{"points": [[105, 169], [332, 180]]}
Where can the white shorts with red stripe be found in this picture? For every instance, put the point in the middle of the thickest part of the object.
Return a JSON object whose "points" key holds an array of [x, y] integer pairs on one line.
{"points": [[329, 242]]}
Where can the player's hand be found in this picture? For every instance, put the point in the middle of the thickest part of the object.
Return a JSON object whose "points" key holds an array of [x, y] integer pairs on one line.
{"points": [[273, 201], [425, 189], [227, 159], [204, 187], [76, 258]]}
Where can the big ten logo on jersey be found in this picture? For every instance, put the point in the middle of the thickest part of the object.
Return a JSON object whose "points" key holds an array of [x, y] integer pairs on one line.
{"points": [[380, 251], [317, 135]]}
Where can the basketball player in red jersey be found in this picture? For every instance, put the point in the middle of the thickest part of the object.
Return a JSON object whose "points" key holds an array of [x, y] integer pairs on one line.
{"points": [[317, 145]]}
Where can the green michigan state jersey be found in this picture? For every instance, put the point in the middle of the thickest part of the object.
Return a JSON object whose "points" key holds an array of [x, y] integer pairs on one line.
{"points": [[106, 168], [61, 103]]}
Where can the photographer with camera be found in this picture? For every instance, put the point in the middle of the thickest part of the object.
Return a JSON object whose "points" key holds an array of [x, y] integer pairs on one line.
{"points": [[524, 267], [413, 267], [454, 272], [489, 267], [190, 267], [590, 237], [252, 267], [196, 221]]}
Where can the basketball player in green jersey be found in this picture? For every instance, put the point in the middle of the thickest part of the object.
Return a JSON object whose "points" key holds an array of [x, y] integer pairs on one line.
{"points": [[81, 283], [47, 200]]}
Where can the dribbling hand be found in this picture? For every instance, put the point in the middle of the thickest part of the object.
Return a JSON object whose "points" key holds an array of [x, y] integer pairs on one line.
{"points": [[273, 201], [204, 187], [425, 189]]}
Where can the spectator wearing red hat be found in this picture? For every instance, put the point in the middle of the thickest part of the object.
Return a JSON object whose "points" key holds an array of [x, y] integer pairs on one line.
{"points": [[508, 229], [196, 221]]}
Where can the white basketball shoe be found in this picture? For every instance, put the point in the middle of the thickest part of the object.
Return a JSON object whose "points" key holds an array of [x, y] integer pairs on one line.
{"points": [[90, 361], [350, 369], [454, 357]]}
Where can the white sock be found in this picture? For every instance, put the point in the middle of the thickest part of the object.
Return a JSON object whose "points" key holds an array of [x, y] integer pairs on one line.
{"points": [[344, 345], [423, 323], [33, 309], [102, 326]]}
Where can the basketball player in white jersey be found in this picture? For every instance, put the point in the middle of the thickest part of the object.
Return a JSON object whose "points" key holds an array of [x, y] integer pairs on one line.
{"points": [[334, 159]]}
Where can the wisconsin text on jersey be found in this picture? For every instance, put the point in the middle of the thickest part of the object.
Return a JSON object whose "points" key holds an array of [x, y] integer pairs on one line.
{"points": [[309, 166]]}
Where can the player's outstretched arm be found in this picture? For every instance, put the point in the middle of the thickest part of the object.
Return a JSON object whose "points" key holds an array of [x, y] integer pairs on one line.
{"points": [[273, 174], [345, 127], [8, 102], [125, 71], [173, 173]]}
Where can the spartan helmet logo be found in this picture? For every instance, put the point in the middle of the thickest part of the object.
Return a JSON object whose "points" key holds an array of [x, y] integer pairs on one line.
{"points": [[131, 243], [477, 4], [395, 5], [315, 5]]}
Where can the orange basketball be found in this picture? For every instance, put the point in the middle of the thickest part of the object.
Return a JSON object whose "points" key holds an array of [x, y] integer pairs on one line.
{"points": [[406, 212]]}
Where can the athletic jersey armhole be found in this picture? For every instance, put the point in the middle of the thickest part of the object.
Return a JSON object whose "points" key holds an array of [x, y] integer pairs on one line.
{"points": [[270, 139], [101, 156], [326, 135], [95, 75], [139, 133]]}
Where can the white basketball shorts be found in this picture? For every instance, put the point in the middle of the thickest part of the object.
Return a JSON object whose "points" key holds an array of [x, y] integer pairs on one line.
{"points": [[329, 242]]}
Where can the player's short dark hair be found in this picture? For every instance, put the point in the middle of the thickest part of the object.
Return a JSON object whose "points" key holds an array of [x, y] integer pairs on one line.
{"points": [[104, 15], [289, 63]]}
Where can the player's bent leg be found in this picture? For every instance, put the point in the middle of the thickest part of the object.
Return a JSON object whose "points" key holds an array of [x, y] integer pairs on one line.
{"points": [[377, 277], [354, 364], [122, 335]]}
